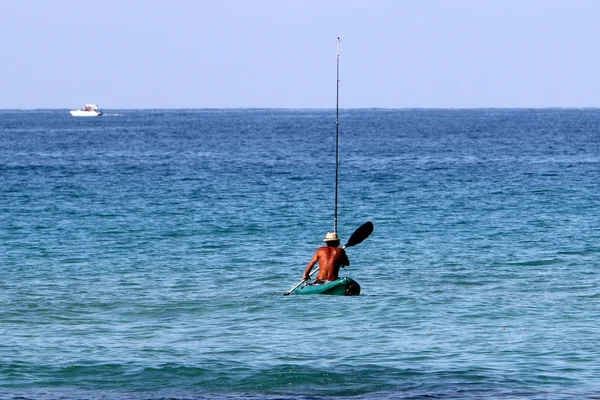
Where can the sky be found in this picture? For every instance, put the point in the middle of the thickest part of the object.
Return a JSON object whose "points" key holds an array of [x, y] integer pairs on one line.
{"points": [[128, 54]]}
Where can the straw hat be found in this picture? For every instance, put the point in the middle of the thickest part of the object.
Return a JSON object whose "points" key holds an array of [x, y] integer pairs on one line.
{"points": [[331, 237]]}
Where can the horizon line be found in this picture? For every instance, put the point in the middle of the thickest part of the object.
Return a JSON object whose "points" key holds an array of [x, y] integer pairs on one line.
{"points": [[325, 108]]}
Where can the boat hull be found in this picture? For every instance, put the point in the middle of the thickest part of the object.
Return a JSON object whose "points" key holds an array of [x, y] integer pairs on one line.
{"points": [[340, 287], [82, 113]]}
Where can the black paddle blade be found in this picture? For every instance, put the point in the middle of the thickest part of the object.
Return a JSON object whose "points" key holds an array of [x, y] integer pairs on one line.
{"points": [[360, 234]]}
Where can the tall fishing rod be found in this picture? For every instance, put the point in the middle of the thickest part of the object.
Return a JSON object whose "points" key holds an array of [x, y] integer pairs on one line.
{"points": [[337, 127]]}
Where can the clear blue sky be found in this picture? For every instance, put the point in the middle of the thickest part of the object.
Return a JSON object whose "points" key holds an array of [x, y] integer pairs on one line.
{"points": [[281, 53]]}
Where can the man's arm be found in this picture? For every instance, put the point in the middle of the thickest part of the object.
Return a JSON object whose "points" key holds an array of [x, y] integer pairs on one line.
{"points": [[310, 265], [344, 261]]}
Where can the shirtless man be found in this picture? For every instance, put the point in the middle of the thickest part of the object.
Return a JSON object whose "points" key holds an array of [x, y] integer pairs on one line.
{"points": [[330, 259]]}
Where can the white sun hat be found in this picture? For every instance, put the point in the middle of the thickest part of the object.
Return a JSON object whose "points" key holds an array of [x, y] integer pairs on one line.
{"points": [[331, 237]]}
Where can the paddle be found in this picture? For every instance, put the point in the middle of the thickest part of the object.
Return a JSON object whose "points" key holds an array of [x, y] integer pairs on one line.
{"points": [[357, 237]]}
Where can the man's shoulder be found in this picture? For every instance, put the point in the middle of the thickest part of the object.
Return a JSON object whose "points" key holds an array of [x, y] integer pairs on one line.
{"points": [[328, 250], [333, 250]]}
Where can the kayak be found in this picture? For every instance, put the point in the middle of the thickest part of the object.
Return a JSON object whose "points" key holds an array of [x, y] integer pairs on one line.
{"points": [[340, 287]]}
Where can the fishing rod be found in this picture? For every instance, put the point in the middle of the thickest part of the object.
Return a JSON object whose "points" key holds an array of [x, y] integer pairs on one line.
{"points": [[337, 127]]}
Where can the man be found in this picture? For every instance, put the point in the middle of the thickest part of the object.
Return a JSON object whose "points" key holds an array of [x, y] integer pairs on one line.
{"points": [[330, 259]]}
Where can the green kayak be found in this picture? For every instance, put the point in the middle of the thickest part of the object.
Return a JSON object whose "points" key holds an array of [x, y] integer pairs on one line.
{"points": [[339, 287]]}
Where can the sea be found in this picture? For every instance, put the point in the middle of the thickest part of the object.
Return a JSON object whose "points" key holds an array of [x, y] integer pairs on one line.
{"points": [[145, 254]]}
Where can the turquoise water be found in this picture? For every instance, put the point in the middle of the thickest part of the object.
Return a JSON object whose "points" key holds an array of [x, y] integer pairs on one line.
{"points": [[144, 254]]}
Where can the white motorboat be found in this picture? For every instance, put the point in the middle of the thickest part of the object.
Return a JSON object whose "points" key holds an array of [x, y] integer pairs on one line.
{"points": [[89, 110]]}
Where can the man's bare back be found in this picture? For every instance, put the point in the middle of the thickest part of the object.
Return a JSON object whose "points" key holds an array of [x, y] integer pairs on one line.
{"points": [[330, 259]]}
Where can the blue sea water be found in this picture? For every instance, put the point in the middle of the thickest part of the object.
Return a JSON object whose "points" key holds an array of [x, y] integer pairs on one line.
{"points": [[144, 254]]}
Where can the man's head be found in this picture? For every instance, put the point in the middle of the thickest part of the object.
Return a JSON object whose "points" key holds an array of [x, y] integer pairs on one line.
{"points": [[332, 239]]}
